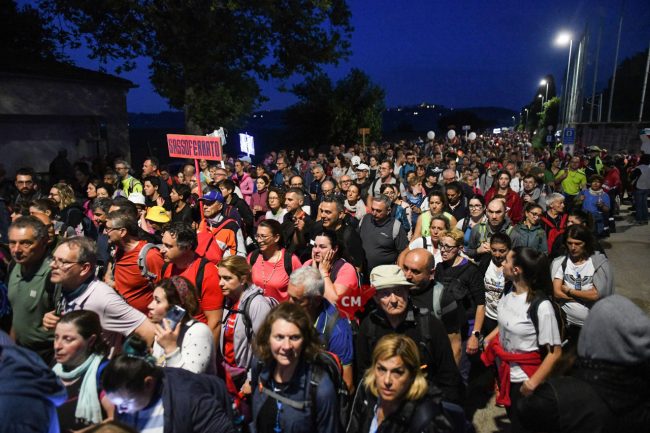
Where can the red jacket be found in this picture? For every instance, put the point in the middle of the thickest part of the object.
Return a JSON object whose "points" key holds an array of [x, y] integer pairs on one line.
{"points": [[529, 362], [612, 180], [513, 202]]}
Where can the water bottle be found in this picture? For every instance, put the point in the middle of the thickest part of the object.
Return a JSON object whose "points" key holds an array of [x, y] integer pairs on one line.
{"points": [[578, 283]]}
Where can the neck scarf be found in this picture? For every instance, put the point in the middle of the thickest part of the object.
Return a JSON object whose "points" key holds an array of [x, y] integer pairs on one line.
{"points": [[88, 406]]}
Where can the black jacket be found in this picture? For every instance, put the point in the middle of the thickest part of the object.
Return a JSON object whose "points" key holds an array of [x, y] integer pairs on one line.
{"points": [[434, 346], [349, 241], [425, 415]]}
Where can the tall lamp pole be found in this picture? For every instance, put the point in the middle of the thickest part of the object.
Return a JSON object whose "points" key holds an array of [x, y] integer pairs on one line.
{"points": [[561, 40]]}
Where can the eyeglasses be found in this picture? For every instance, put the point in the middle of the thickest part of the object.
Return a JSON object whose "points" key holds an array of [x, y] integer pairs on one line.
{"points": [[110, 229], [60, 263], [263, 237], [346, 181], [445, 247]]}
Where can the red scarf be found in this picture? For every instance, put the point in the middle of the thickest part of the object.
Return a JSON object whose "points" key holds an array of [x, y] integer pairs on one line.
{"points": [[529, 362]]}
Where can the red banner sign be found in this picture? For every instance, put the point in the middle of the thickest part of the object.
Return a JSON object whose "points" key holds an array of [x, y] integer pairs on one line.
{"points": [[194, 146]]}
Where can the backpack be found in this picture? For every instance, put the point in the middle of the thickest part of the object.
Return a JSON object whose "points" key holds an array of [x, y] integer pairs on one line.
{"points": [[560, 316], [326, 363], [286, 259], [198, 284], [207, 246], [396, 225], [244, 310], [554, 231]]}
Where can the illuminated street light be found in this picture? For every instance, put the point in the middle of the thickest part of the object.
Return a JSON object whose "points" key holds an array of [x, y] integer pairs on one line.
{"points": [[562, 39], [544, 83], [541, 96]]}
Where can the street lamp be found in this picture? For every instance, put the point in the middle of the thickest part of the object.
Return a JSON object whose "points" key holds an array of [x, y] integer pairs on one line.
{"points": [[513, 120], [561, 40], [526, 121], [542, 83], [541, 96]]}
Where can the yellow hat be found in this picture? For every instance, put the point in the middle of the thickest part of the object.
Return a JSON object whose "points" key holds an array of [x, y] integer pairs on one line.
{"points": [[157, 214]]}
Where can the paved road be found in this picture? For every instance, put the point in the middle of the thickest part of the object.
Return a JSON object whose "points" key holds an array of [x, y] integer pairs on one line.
{"points": [[629, 253]]}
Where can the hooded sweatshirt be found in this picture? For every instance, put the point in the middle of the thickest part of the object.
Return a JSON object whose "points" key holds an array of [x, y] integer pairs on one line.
{"points": [[29, 393]]}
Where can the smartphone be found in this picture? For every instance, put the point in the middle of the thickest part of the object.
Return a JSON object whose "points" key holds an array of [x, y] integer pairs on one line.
{"points": [[175, 315]]}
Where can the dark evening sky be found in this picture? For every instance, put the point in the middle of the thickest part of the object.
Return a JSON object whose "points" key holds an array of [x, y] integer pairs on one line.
{"points": [[460, 53]]}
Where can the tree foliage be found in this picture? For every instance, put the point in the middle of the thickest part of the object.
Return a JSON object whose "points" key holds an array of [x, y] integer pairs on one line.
{"points": [[208, 55], [327, 113], [25, 36]]}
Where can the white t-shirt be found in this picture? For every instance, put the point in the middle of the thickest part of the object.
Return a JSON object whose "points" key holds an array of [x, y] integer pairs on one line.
{"points": [[197, 354], [517, 332], [494, 282], [419, 243], [576, 312]]}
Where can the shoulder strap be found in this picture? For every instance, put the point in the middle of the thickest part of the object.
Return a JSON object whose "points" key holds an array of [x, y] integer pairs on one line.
{"points": [[396, 226], [246, 317], [199, 277], [254, 256], [424, 242], [329, 327], [288, 265], [164, 269], [564, 263]]}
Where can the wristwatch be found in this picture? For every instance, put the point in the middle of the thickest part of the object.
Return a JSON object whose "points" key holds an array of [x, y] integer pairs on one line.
{"points": [[476, 334]]}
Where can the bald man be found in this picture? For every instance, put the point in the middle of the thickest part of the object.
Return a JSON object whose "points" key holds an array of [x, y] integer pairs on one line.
{"points": [[418, 267]]}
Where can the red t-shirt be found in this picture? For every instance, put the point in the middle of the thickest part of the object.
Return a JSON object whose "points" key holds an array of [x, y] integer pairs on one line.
{"points": [[229, 337], [211, 295], [271, 277], [129, 282]]}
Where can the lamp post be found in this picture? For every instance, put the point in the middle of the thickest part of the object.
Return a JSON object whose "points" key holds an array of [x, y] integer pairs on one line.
{"points": [[526, 119], [541, 96], [561, 40], [542, 83]]}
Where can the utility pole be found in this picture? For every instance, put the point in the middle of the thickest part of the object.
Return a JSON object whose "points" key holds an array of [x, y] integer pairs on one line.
{"points": [[593, 87], [618, 44]]}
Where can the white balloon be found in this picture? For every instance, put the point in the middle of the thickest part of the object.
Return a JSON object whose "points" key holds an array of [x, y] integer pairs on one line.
{"points": [[451, 134], [431, 135], [472, 136]]}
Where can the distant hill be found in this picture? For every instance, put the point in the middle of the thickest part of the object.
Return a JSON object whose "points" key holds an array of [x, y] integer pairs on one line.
{"points": [[148, 129]]}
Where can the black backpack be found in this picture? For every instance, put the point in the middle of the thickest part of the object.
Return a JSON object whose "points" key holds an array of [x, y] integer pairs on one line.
{"points": [[326, 363], [560, 316], [244, 310]]}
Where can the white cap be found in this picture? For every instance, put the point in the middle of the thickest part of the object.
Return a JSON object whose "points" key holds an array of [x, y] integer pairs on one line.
{"points": [[356, 160], [136, 198], [362, 167]]}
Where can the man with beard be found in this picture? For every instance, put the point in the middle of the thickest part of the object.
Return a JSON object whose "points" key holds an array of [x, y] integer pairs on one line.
{"points": [[26, 186], [333, 218]]}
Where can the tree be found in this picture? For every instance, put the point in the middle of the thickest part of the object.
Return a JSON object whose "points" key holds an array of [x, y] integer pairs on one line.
{"points": [[328, 113], [25, 37], [627, 93], [208, 55], [549, 116]]}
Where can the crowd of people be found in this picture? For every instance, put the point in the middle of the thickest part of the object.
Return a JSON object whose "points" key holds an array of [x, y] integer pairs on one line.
{"points": [[348, 289]]}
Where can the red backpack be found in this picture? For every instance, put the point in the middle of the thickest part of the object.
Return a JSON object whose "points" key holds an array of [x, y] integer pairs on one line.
{"points": [[207, 246]]}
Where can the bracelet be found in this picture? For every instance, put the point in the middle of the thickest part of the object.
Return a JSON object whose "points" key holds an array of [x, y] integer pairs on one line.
{"points": [[325, 276]]}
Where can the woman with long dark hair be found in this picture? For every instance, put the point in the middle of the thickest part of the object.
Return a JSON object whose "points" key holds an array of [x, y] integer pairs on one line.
{"points": [[329, 258], [527, 327]]}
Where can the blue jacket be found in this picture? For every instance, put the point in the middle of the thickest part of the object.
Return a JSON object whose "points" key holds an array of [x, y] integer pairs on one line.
{"points": [[294, 420], [197, 403], [29, 393]]}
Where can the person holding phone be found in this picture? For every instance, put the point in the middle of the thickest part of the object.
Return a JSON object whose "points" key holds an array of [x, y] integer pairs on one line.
{"points": [[181, 341]]}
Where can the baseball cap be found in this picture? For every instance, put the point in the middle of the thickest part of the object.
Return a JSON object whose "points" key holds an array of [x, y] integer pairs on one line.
{"points": [[355, 160], [157, 214], [245, 159], [595, 149], [136, 198], [387, 276], [362, 167], [213, 195]]}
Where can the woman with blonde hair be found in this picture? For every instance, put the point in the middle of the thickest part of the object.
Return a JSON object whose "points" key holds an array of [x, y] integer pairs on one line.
{"points": [[71, 214], [394, 395]]}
